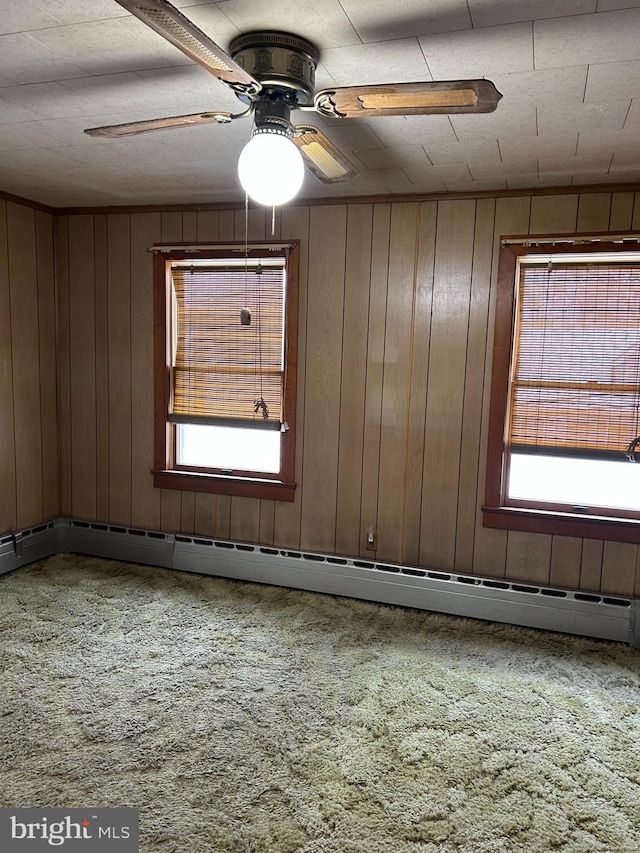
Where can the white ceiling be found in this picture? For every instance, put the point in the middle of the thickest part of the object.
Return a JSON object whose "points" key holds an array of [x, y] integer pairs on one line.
{"points": [[569, 71]]}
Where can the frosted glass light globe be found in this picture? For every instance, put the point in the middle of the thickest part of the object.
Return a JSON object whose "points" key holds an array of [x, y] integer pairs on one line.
{"points": [[271, 169]]}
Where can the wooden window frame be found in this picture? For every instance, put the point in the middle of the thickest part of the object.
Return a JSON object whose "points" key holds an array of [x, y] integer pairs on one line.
{"points": [[166, 473], [530, 516]]}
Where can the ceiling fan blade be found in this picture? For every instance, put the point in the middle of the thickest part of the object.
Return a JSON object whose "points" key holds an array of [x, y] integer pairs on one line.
{"points": [[170, 23], [133, 127], [393, 99], [321, 156]]}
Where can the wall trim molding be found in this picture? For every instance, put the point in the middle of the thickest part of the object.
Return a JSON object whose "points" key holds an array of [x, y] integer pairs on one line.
{"points": [[27, 202], [357, 199], [594, 615]]}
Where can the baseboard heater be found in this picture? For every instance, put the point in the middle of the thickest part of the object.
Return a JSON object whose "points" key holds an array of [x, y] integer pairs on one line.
{"points": [[549, 608]]}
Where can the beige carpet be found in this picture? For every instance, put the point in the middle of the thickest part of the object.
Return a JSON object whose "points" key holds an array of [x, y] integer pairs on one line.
{"points": [[250, 719]]}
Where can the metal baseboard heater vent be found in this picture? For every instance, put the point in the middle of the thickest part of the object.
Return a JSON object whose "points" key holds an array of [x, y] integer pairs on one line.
{"points": [[549, 608]]}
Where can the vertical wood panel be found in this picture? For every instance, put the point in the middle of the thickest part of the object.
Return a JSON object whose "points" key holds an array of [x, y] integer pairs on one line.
{"points": [[375, 367], [8, 505], [327, 239], [295, 226], [188, 503], [64, 390], [48, 384], [529, 556], [621, 211], [101, 322], [490, 545], [566, 554], [635, 219], [449, 327], [267, 522], [561, 217], [474, 385], [593, 212], [245, 512], [396, 380], [82, 367], [205, 504], [145, 499], [553, 214], [171, 499], [591, 564], [618, 568], [226, 231], [354, 369], [119, 235], [418, 372], [25, 348]]}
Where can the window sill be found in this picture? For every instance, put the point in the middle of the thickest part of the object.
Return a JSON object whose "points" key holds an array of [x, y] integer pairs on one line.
{"points": [[562, 523], [244, 487]]}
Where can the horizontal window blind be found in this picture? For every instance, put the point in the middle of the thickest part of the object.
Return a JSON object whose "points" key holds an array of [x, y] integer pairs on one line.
{"points": [[575, 380], [225, 368]]}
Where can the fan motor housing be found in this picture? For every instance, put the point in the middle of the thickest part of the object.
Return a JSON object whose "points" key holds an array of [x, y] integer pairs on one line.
{"points": [[279, 61]]}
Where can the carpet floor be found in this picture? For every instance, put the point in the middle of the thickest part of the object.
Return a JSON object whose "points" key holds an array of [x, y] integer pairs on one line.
{"points": [[253, 719]]}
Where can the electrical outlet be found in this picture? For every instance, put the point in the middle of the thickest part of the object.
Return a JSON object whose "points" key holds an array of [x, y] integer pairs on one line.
{"points": [[372, 539]]}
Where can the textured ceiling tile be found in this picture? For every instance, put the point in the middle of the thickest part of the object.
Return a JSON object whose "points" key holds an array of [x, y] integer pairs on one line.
{"points": [[589, 118], [624, 174], [121, 44], [504, 171], [533, 88], [384, 158], [323, 23], [77, 11], [395, 180], [586, 39], [415, 130], [574, 165], [613, 80], [10, 112], [496, 12], [20, 15], [632, 122], [508, 120], [622, 141], [463, 152], [378, 19], [528, 182], [212, 21], [625, 159], [45, 100], [349, 137], [608, 5], [25, 60], [165, 90], [535, 147], [398, 61], [189, 85], [480, 53]]}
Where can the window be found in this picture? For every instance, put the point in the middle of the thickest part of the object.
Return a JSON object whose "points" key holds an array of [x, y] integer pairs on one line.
{"points": [[565, 396], [225, 368]]}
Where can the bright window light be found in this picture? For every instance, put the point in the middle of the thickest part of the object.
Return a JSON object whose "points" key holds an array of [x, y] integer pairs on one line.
{"points": [[229, 448], [579, 482]]}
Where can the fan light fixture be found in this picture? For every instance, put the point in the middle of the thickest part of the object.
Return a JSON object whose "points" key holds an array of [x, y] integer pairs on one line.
{"points": [[270, 168], [273, 74]]}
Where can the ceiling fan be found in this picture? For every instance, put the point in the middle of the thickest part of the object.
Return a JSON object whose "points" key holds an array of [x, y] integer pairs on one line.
{"points": [[272, 74]]}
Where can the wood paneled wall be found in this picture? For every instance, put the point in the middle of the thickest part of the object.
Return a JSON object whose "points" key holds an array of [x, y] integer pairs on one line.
{"points": [[396, 307], [28, 419]]}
